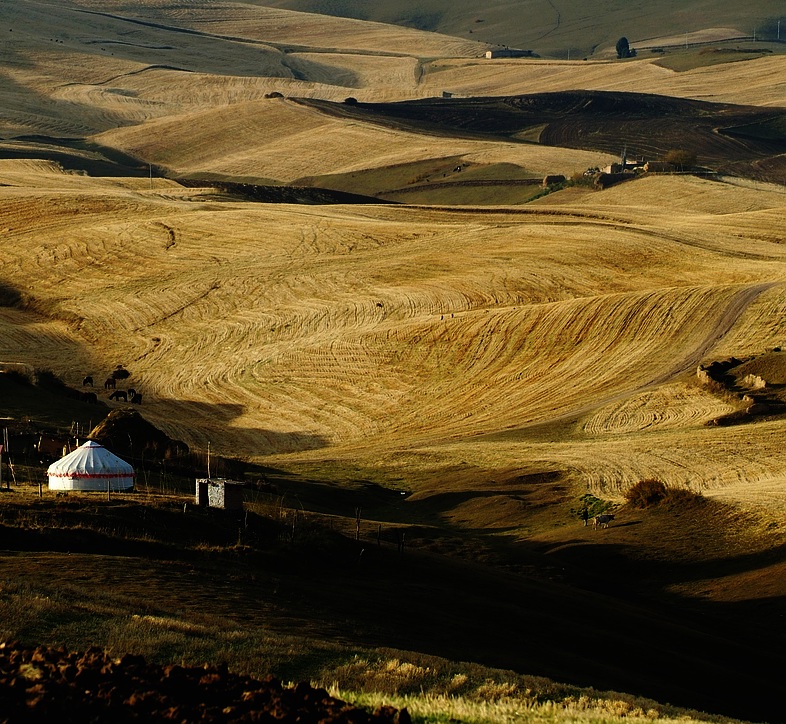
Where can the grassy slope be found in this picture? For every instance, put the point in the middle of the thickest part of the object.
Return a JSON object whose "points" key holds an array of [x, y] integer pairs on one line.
{"points": [[445, 351], [551, 29]]}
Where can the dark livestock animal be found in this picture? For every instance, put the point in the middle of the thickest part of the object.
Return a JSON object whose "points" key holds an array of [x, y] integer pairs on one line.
{"points": [[87, 381], [119, 395], [602, 521], [109, 384], [137, 398], [90, 398]]}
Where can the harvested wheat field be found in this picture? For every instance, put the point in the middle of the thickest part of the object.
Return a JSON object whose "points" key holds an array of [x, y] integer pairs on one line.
{"points": [[374, 331], [384, 281]]}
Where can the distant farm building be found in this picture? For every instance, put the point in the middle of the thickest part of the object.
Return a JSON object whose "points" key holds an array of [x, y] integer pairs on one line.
{"points": [[658, 167], [509, 53], [625, 165], [219, 493]]}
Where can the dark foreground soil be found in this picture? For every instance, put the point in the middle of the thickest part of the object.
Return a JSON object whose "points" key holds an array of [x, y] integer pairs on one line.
{"points": [[44, 684]]}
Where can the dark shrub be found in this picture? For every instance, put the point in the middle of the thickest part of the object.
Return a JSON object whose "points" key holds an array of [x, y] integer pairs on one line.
{"points": [[680, 159], [646, 493], [351, 101], [594, 506], [623, 48]]}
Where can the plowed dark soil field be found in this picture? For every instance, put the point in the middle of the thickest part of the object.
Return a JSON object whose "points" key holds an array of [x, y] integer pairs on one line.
{"points": [[728, 138], [44, 683]]}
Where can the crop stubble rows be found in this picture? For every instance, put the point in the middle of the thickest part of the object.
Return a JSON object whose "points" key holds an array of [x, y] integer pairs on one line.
{"points": [[274, 328]]}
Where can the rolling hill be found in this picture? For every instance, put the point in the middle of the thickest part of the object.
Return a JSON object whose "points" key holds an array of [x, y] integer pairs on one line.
{"points": [[493, 350], [561, 28]]}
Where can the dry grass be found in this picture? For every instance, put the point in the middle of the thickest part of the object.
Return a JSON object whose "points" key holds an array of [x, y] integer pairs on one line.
{"points": [[376, 331], [496, 363], [434, 692], [265, 132]]}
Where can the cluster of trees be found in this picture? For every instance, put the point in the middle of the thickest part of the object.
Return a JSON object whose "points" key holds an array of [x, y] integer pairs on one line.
{"points": [[624, 50], [680, 159]]}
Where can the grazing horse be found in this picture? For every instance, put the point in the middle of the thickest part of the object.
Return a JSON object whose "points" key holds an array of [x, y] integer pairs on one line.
{"points": [[87, 381], [109, 384], [90, 398], [137, 399], [119, 395]]}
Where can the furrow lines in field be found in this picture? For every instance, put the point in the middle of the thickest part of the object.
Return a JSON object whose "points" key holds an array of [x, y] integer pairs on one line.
{"points": [[542, 360], [673, 406], [718, 462]]}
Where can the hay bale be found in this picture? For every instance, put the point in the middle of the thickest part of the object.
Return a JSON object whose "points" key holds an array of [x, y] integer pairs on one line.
{"points": [[127, 433], [754, 382]]}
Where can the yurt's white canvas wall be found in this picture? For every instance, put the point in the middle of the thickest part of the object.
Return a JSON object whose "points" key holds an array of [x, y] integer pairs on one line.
{"points": [[91, 467]]}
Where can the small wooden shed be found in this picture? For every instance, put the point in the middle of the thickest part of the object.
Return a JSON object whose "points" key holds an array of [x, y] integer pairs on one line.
{"points": [[219, 493]]}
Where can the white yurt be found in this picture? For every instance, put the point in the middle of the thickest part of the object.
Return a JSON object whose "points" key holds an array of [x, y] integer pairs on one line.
{"points": [[91, 467]]}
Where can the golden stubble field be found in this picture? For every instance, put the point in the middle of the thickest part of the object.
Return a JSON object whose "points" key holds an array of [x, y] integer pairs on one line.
{"points": [[437, 346], [414, 341]]}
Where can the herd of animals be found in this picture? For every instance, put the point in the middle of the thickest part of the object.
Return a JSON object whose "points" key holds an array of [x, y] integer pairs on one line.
{"points": [[129, 395]]}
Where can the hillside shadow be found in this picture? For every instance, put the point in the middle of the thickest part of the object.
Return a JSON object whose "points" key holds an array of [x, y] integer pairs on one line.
{"points": [[269, 440], [457, 608], [571, 596]]}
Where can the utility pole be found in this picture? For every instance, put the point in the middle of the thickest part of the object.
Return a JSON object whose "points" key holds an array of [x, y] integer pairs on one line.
{"points": [[4, 446]]}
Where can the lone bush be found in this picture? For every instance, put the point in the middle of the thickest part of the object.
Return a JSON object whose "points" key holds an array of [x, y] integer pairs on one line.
{"points": [[646, 493]]}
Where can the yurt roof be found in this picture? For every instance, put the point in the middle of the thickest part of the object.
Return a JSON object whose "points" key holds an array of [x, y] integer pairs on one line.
{"points": [[91, 460]]}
